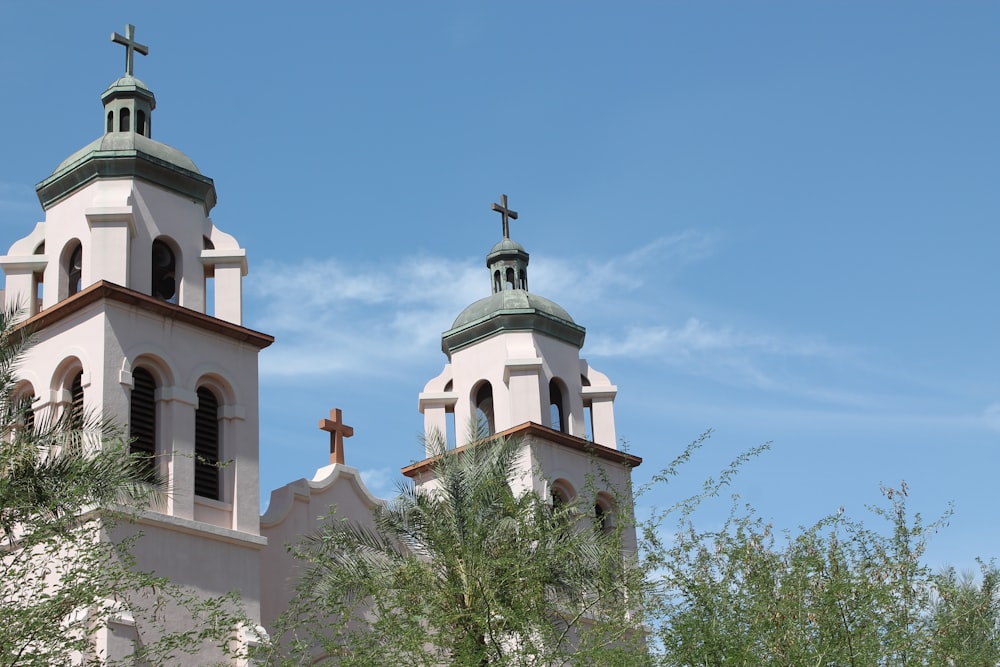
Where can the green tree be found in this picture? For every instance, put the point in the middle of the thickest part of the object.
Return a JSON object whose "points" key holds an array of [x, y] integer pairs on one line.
{"points": [[468, 573], [836, 593], [966, 618], [473, 574], [65, 484]]}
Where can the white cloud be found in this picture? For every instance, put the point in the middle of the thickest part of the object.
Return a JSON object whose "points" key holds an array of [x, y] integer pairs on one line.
{"points": [[378, 319], [560, 278], [698, 338], [350, 317], [381, 482]]}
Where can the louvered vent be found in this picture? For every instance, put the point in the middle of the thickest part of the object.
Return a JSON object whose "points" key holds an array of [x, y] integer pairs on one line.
{"points": [[76, 405], [142, 418], [206, 445]]}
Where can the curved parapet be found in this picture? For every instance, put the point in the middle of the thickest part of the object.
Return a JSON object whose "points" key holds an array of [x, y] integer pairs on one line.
{"points": [[308, 491], [297, 510]]}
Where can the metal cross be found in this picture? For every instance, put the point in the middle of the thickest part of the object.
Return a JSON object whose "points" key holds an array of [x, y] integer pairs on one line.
{"points": [[338, 431], [131, 46], [505, 213]]}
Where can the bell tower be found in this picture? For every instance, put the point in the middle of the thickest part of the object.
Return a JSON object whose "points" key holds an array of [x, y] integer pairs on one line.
{"points": [[135, 300], [514, 358], [514, 368]]}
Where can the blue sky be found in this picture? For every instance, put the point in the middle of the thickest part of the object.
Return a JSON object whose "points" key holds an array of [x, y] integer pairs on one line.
{"points": [[778, 220]]}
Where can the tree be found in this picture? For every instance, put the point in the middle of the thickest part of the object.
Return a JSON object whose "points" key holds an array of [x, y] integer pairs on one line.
{"points": [[465, 573], [472, 574], [65, 484], [966, 618], [836, 593]]}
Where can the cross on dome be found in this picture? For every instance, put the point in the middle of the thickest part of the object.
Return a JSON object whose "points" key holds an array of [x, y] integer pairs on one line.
{"points": [[338, 430], [506, 213], [131, 46]]}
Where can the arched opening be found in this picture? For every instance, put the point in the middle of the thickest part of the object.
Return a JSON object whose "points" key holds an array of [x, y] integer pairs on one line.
{"points": [[604, 516], [449, 417], [497, 283], [206, 244], [588, 413], [124, 120], [483, 402], [206, 445], [522, 280], [25, 397], [37, 284], [74, 269], [509, 279], [561, 493], [142, 420], [76, 401], [140, 122], [164, 278], [111, 121], [557, 406]]}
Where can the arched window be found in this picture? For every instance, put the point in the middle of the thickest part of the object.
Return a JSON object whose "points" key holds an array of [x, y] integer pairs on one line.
{"points": [[111, 121], [124, 120], [497, 284], [209, 286], [37, 284], [25, 397], [522, 280], [140, 122], [206, 445], [557, 410], [142, 419], [74, 269], [603, 514], [561, 493], [76, 401], [164, 278], [485, 421], [510, 279]]}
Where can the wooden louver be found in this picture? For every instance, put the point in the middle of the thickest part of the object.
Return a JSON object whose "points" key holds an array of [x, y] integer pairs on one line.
{"points": [[76, 404], [206, 445], [142, 418]]}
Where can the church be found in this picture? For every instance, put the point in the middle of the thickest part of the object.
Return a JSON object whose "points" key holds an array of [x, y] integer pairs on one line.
{"points": [[135, 298]]}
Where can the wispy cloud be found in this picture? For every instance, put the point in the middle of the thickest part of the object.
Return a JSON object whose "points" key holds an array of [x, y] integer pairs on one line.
{"points": [[561, 278], [339, 316], [381, 482], [694, 338], [348, 317]]}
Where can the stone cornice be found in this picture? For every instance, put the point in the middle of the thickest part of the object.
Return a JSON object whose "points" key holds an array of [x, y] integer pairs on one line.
{"points": [[103, 290], [531, 429], [132, 163]]}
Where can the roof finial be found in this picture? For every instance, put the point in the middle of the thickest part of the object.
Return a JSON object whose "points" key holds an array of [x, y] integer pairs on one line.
{"points": [[506, 213], [131, 46], [338, 430]]}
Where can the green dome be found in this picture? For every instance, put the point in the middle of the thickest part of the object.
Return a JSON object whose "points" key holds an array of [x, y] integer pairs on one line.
{"points": [[507, 245], [511, 310], [515, 300], [127, 82], [122, 144]]}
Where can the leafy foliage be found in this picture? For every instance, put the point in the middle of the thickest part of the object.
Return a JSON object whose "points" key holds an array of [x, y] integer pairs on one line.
{"points": [[835, 593], [468, 573], [473, 574]]}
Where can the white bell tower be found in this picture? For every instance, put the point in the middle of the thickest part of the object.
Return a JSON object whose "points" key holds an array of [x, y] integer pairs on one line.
{"points": [[514, 365], [117, 285]]}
